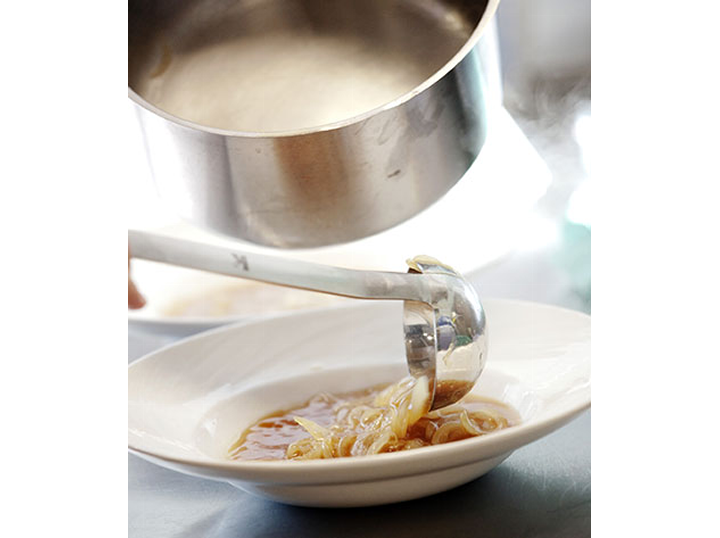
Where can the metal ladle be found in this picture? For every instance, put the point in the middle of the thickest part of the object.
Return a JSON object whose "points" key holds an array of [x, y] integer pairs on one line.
{"points": [[444, 322]]}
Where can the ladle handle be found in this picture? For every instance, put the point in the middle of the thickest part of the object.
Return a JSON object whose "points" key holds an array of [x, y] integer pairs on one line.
{"points": [[276, 270]]}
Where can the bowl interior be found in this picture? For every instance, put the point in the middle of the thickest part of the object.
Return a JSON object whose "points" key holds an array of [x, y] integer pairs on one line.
{"points": [[221, 426], [281, 65], [191, 401]]}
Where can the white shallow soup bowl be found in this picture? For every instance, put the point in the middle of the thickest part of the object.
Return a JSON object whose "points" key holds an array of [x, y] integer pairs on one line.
{"points": [[190, 401]]}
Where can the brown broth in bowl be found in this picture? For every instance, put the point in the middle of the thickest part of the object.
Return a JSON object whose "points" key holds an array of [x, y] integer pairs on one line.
{"points": [[387, 418]]}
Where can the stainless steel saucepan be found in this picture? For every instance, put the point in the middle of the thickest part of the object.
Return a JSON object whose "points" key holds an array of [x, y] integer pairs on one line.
{"points": [[300, 123]]}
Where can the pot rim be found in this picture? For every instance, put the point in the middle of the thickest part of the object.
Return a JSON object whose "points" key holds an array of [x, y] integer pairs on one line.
{"points": [[487, 15]]}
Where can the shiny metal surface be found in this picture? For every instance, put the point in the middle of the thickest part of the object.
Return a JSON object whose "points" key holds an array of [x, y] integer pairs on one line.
{"points": [[444, 322], [301, 123], [446, 337]]}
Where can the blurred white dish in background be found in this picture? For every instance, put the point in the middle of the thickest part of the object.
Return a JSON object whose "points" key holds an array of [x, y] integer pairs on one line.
{"points": [[184, 301], [188, 402]]}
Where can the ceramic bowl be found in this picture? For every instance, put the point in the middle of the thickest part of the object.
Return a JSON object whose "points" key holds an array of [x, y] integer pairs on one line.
{"points": [[190, 401]]}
